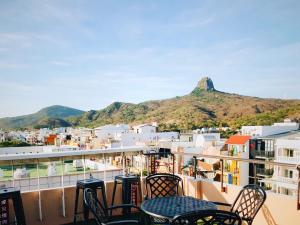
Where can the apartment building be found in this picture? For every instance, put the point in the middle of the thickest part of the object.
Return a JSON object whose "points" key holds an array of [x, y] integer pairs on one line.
{"points": [[285, 180], [268, 143]]}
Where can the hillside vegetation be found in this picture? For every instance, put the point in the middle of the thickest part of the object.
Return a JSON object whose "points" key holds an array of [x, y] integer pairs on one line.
{"points": [[53, 116], [203, 107]]}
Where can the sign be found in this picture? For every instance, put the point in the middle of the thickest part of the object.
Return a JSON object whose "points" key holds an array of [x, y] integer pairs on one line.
{"points": [[134, 190], [152, 164], [4, 212]]}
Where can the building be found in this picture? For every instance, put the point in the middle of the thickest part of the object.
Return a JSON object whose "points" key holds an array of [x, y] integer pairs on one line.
{"points": [[276, 128], [144, 128], [287, 150], [237, 172], [111, 131]]}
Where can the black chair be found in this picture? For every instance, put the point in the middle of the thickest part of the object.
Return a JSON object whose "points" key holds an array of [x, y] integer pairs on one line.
{"points": [[207, 217], [102, 215], [13, 194], [248, 202], [163, 185]]}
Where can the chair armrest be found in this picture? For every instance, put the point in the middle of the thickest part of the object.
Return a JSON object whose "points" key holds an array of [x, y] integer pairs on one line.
{"points": [[222, 203], [123, 206], [123, 222]]}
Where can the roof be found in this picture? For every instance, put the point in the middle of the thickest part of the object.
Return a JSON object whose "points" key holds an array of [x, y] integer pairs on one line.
{"points": [[238, 139]]}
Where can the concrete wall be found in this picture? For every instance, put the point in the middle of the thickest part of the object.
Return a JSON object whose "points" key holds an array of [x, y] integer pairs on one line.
{"points": [[278, 209]]}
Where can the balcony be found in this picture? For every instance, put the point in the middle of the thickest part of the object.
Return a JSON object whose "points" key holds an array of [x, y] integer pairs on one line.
{"points": [[264, 154], [287, 159], [264, 172], [61, 195]]}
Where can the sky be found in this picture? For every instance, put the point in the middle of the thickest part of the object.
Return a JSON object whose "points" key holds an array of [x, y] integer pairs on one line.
{"points": [[88, 54]]}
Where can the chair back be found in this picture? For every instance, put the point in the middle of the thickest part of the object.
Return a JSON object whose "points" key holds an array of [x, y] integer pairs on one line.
{"points": [[249, 201], [207, 217], [163, 185], [97, 209]]}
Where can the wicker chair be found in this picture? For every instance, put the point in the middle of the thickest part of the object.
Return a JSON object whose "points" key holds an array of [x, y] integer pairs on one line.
{"points": [[248, 202], [102, 214], [163, 185], [207, 217]]}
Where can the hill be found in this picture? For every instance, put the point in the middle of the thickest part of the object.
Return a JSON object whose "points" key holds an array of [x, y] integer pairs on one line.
{"points": [[204, 106], [53, 116]]}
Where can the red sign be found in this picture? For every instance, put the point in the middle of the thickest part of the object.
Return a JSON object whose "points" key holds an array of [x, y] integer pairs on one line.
{"points": [[134, 189], [152, 164], [4, 216]]}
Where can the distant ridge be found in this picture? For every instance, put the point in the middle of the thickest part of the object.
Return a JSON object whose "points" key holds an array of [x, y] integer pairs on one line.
{"points": [[53, 116], [204, 106]]}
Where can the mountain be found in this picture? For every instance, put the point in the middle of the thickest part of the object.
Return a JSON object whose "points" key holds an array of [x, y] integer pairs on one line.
{"points": [[204, 106], [53, 116]]}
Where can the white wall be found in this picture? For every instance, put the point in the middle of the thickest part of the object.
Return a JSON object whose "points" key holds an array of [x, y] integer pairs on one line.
{"points": [[129, 139], [21, 150], [110, 131], [144, 129], [277, 128]]}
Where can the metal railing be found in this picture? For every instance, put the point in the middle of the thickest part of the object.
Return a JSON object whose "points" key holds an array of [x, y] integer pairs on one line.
{"points": [[266, 154], [244, 163], [105, 164], [264, 171]]}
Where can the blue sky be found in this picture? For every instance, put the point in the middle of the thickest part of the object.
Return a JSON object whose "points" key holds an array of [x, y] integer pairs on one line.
{"points": [[88, 54]]}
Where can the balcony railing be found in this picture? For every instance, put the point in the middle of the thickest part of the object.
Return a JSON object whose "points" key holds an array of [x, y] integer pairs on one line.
{"points": [[264, 171], [266, 154], [105, 164], [287, 180], [294, 160]]}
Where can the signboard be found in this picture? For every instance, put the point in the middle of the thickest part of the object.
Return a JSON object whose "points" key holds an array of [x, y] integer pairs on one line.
{"points": [[4, 212], [134, 190], [152, 164]]}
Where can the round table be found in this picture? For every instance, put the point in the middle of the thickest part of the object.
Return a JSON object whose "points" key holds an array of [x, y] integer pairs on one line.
{"points": [[168, 207]]}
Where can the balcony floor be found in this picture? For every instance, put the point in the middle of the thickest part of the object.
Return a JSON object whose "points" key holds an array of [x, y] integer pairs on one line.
{"points": [[91, 222]]}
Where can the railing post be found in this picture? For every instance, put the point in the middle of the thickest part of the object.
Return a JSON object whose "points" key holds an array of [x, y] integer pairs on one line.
{"points": [[39, 195], [63, 200], [298, 194], [195, 166], [223, 189]]}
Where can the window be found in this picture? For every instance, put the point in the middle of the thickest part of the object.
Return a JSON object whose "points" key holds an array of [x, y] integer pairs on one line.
{"points": [[288, 173], [289, 152]]}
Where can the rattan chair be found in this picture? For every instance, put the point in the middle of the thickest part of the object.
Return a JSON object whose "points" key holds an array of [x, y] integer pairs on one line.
{"points": [[102, 214], [163, 185], [207, 217], [248, 202]]}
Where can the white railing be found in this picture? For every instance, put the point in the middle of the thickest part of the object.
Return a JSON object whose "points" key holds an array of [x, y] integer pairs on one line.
{"points": [[286, 180], [287, 159]]}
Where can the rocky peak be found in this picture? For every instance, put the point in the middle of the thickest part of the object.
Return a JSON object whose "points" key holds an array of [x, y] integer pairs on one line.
{"points": [[206, 84]]}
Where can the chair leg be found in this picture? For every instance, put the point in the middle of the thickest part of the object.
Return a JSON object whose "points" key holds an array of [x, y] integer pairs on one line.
{"points": [[114, 192], [76, 206], [19, 210], [104, 196]]}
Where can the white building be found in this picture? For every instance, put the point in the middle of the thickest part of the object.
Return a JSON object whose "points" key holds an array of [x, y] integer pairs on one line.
{"points": [[287, 150], [130, 139], [276, 128], [111, 131], [207, 143], [144, 128]]}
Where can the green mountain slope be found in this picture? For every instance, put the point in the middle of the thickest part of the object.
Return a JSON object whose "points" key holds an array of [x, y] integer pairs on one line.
{"points": [[53, 116], [204, 106]]}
